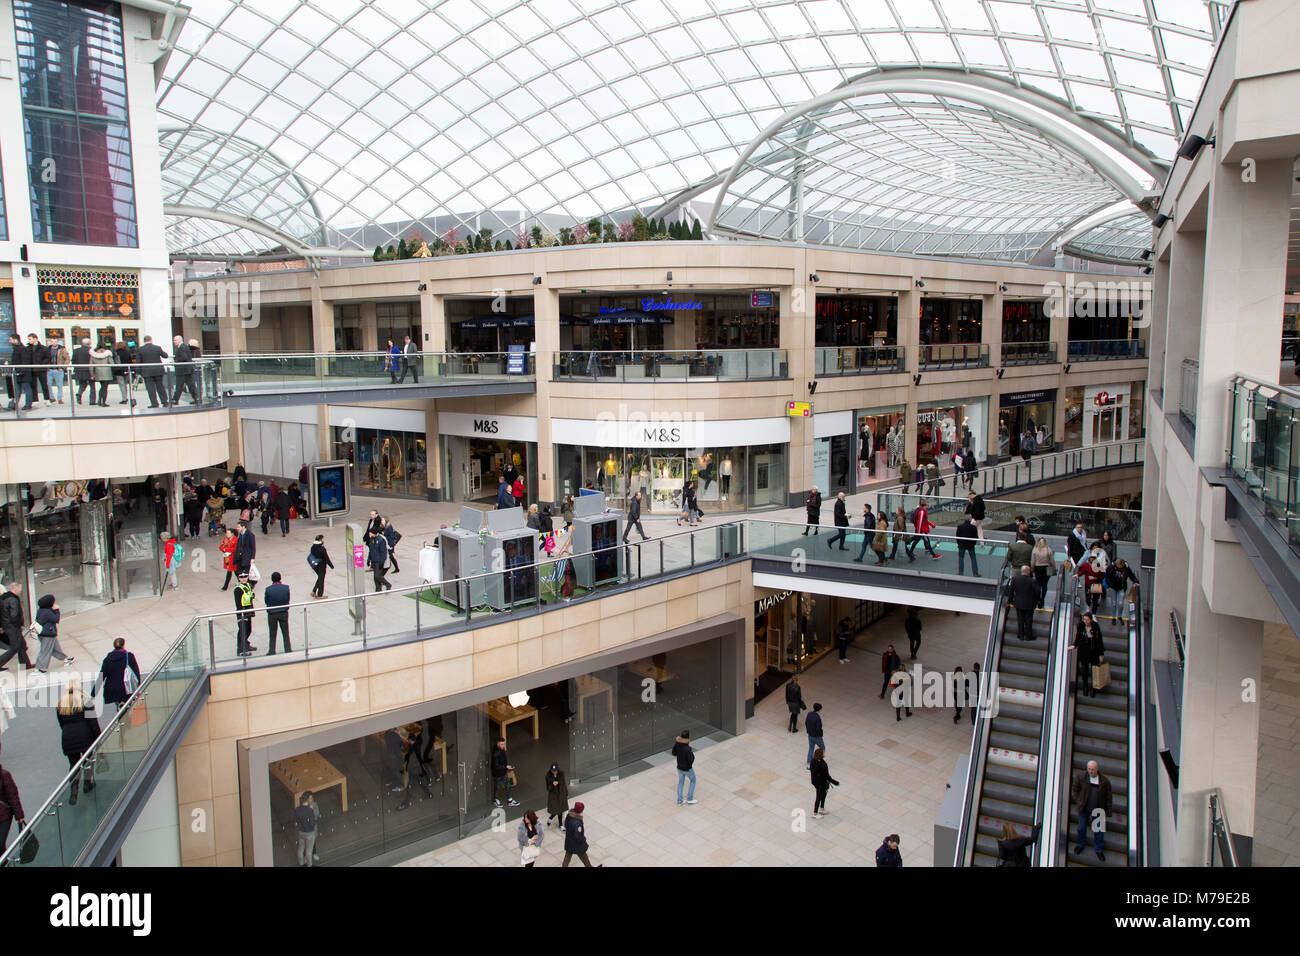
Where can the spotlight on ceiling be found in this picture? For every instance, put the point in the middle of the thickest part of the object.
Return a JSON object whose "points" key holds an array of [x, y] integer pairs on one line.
{"points": [[1192, 145], [422, 287], [814, 277], [1146, 270], [537, 280], [1160, 220], [1002, 287], [920, 283], [1146, 254]]}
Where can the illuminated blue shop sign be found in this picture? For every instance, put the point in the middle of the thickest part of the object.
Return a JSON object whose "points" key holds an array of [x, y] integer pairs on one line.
{"points": [[686, 305]]}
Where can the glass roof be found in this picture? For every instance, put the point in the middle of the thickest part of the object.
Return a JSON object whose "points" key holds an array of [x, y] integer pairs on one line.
{"points": [[385, 112]]}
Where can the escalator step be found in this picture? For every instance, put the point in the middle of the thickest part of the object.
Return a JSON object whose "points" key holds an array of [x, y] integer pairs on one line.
{"points": [[1013, 812], [1012, 775], [1015, 743], [1005, 724], [1023, 682], [1109, 731], [1115, 769]]}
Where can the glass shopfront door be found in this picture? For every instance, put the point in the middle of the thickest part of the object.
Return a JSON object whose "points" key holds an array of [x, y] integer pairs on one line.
{"points": [[68, 551]]}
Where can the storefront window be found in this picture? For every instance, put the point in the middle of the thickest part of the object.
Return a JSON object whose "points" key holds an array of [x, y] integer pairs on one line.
{"points": [[72, 79], [1025, 321], [950, 321], [1025, 413], [384, 461], [430, 777], [880, 444], [1074, 417], [850, 320], [395, 321], [626, 321], [940, 428], [833, 464], [727, 479], [475, 467], [347, 328]]}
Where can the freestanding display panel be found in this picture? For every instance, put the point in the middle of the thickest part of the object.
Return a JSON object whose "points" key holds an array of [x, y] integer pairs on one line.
{"points": [[598, 557], [461, 555]]}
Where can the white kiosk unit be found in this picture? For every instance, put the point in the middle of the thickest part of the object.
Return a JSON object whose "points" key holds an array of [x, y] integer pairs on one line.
{"points": [[597, 542], [461, 555], [511, 549]]}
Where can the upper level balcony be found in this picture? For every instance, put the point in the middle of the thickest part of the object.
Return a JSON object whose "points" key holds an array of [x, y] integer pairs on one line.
{"points": [[960, 355], [1096, 350], [700, 365], [1029, 353], [835, 361], [1264, 450]]}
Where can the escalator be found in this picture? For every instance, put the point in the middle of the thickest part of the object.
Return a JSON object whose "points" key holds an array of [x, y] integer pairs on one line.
{"points": [[1004, 784], [1010, 788], [1100, 728]]}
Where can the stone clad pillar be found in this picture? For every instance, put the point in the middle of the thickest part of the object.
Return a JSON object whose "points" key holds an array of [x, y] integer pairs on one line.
{"points": [[546, 330]]}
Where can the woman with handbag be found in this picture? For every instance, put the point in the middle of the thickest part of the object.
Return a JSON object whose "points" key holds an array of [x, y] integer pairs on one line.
{"points": [[79, 732], [319, 559], [47, 618], [227, 549], [11, 809], [1118, 576], [530, 835], [821, 781], [1043, 562], [1092, 575], [557, 796], [120, 674], [1092, 652]]}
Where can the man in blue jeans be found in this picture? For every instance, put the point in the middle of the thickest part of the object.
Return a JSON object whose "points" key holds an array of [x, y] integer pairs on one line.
{"points": [[813, 724], [685, 766], [1089, 792], [967, 535]]}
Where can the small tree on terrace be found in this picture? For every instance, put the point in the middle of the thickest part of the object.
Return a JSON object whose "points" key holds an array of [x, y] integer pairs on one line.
{"points": [[696, 232], [522, 239], [579, 233], [566, 236], [593, 228], [625, 231], [535, 234], [449, 239], [610, 234]]}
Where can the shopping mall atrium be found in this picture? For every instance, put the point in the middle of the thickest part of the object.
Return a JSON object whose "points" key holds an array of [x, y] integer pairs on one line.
{"points": [[495, 433]]}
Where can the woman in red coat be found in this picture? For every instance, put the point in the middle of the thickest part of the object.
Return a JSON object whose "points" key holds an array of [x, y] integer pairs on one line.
{"points": [[227, 547], [1091, 576]]}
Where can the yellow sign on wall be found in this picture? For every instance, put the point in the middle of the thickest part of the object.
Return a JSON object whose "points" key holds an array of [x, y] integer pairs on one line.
{"points": [[799, 409]]}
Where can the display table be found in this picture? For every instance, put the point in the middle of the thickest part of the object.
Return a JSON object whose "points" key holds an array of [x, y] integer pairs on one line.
{"points": [[309, 772], [589, 686], [645, 668], [503, 715]]}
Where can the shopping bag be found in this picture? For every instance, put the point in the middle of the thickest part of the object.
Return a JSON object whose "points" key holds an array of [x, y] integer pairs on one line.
{"points": [[1101, 674], [514, 781], [1094, 589], [140, 714]]}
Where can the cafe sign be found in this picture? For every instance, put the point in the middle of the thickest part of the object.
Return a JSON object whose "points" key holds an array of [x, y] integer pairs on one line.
{"points": [[87, 301]]}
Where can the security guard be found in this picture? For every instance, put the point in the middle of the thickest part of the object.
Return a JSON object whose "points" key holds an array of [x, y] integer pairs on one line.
{"points": [[244, 619]]}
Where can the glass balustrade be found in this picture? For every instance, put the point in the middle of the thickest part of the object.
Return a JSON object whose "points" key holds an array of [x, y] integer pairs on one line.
{"points": [[1093, 350], [713, 365], [1028, 353], [960, 355], [1264, 449], [253, 373], [859, 360], [109, 391]]}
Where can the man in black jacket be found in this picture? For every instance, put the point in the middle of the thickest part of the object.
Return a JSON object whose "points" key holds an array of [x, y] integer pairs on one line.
{"points": [[794, 700], [967, 535], [813, 725], [975, 508], [1091, 798], [841, 522], [844, 634], [814, 508], [276, 600], [1024, 598], [634, 518], [81, 370], [685, 766], [501, 770], [912, 627], [282, 504], [1076, 543], [245, 548], [889, 662], [40, 357], [184, 360], [20, 357], [12, 620], [410, 361], [151, 358]]}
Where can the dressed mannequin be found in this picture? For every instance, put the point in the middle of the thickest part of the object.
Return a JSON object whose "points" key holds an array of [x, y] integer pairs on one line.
{"points": [[724, 474], [864, 443]]}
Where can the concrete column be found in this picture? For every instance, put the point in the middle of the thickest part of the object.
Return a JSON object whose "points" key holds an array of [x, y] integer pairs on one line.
{"points": [[798, 310], [991, 327], [322, 321], [1058, 328], [909, 336], [433, 453], [433, 323], [1245, 279], [232, 333], [546, 309], [1171, 574], [1220, 732], [369, 329], [1183, 335], [680, 336]]}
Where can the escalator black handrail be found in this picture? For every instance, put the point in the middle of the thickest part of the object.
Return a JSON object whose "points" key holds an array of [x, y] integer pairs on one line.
{"points": [[1136, 709], [979, 747], [1053, 698], [1061, 826]]}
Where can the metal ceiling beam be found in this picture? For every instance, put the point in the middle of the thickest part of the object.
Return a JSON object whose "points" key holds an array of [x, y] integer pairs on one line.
{"points": [[955, 85], [260, 228]]}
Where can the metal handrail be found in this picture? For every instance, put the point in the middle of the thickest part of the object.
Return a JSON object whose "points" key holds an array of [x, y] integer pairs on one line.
{"points": [[1056, 696], [1136, 727], [1060, 837], [979, 750], [1220, 831]]}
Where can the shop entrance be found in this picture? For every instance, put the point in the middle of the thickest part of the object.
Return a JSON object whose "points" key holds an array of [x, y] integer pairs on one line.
{"points": [[1105, 413], [68, 552], [474, 466]]}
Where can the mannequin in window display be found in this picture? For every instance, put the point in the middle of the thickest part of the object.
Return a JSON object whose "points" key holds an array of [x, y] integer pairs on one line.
{"points": [[724, 477], [864, 447], [807, 629], [704, 466], [949, 432]]}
